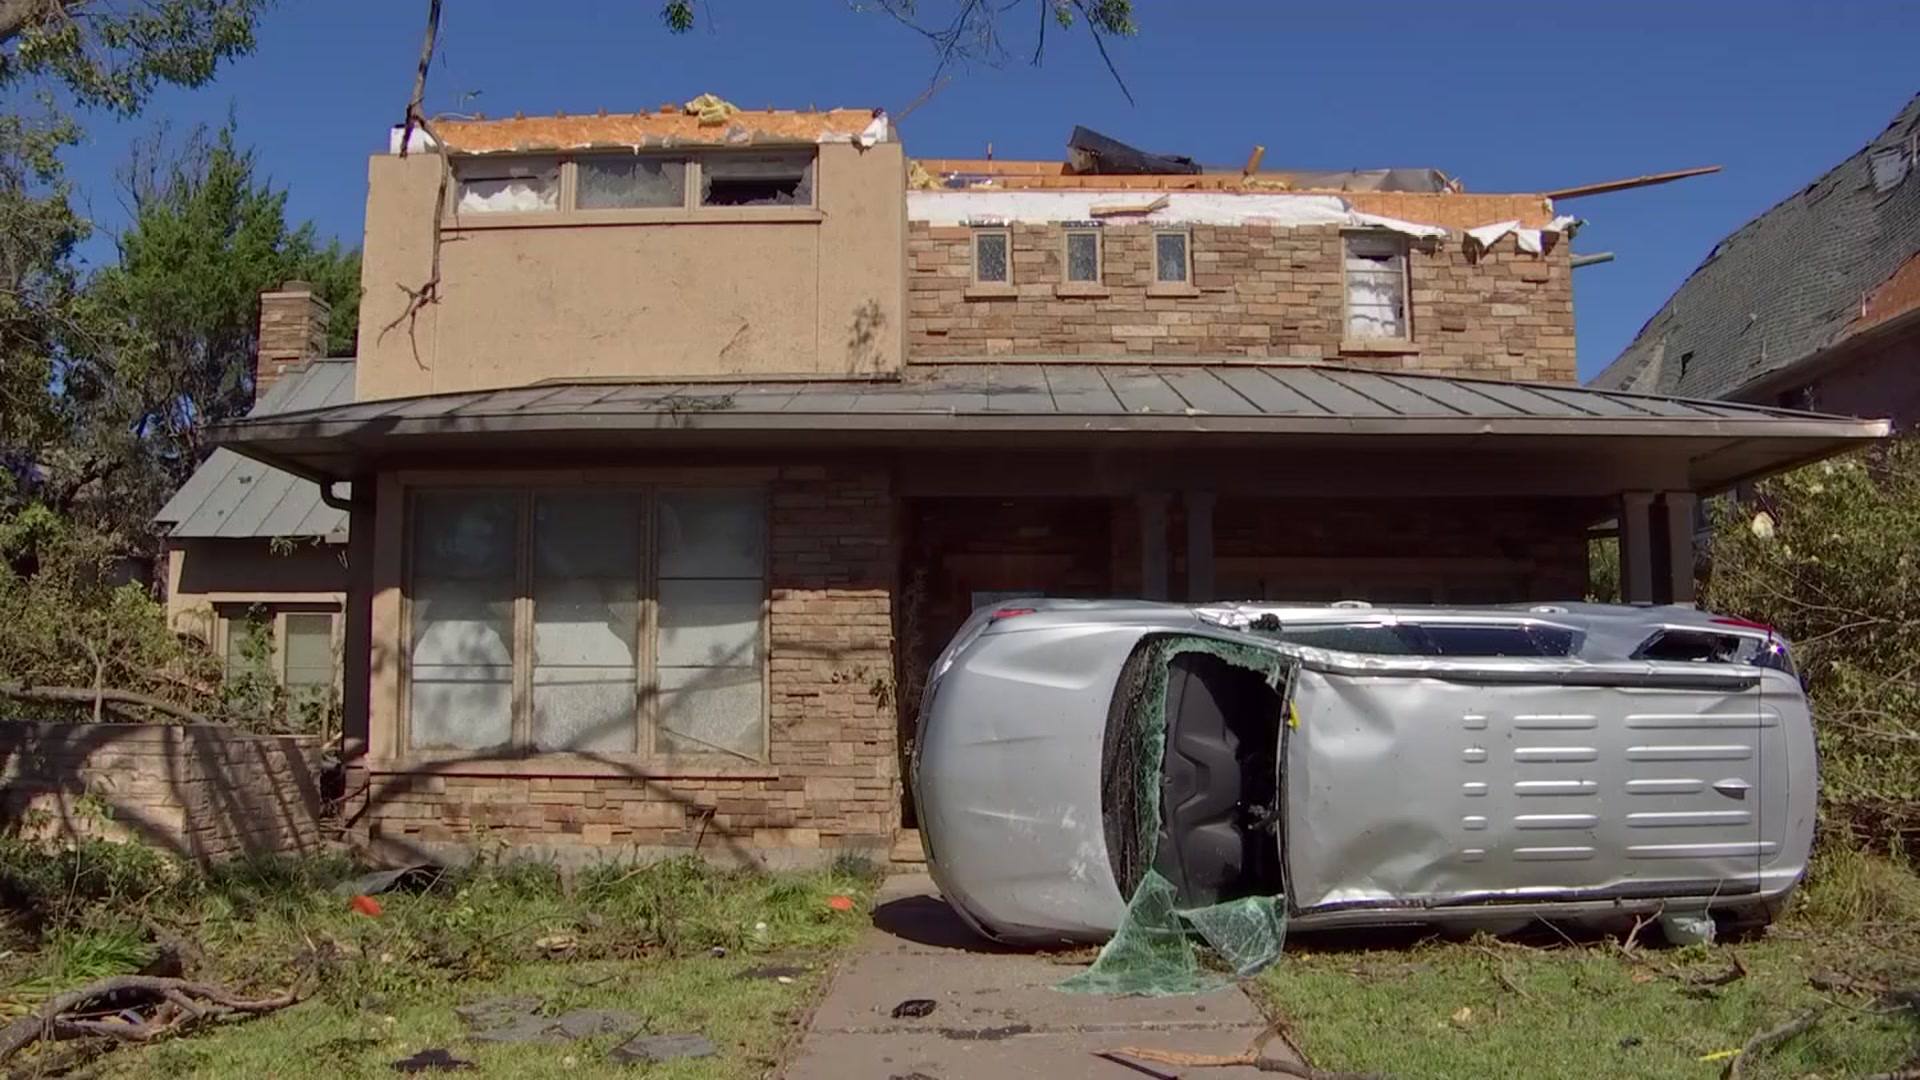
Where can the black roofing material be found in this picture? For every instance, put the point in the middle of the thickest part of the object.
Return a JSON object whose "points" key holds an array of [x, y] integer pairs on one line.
{"points": [[1094, 153], [1786, 285]]}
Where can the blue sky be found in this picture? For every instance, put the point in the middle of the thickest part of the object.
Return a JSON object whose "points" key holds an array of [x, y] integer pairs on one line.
{"points": [[1508, 96]]}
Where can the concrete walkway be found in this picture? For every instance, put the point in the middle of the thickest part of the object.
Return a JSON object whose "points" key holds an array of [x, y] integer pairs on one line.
{"points": [[997, 1016]]}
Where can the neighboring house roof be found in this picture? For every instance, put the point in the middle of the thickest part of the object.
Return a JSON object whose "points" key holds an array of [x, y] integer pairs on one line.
{"points": [[1024, 399], [234, 497], [1790, 283]]}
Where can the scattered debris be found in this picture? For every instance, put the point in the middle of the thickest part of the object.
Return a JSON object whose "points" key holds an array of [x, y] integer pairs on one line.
{"points": [[1686, 928], [1254, 1055], [167, 1005], [436, 1059], [651, 1048], [1630, 1042], [1114, 209], [913, 1008], [557, 944], [412, 878], [711, 109], [840, 903], [783, 972], [914, 1075], [1737, 1064], [992, 1034], [365, 905], [497, 1011]]}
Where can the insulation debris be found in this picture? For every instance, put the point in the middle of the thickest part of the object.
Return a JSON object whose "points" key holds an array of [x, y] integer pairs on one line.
{"points": [[712, 109], [946, 207], [1531, 241]]}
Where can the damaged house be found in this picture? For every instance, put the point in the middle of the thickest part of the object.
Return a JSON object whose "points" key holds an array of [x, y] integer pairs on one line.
{"points": [[678, 444]]}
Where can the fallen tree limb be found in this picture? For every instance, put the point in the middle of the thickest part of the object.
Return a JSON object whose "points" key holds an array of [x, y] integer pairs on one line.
{"points": [[191, 1001], [1736, 1065], [86, 695]]}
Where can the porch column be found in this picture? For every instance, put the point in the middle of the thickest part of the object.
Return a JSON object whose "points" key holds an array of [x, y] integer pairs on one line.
{"points": [[1681, 507], [1636, 547], [1153, 544], [1199, 506]]}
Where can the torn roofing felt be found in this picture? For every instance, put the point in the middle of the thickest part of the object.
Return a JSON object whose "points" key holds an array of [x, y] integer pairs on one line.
{"points": [[1092, 152], [1788, 284]]}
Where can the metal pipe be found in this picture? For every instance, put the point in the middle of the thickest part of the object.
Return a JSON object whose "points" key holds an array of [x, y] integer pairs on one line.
{"points": [[1591, 260]]}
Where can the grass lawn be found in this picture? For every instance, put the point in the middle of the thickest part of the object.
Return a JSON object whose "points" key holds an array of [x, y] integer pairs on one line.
{"points": [[1547, 1010], [680, 945]]}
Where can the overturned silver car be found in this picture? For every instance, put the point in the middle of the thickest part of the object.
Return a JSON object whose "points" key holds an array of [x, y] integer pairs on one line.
{"points": [[1366, 765]]}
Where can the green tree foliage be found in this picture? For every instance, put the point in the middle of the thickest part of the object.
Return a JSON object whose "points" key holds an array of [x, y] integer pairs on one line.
{"points": [[1828, 556], [208, 235]]}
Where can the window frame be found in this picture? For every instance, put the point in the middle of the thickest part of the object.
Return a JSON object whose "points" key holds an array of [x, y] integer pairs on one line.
{"points": [[647, 647], [973, 249], [1099, 259], [1405, 246], [568, 211], [273, 615], [1186, 268]]}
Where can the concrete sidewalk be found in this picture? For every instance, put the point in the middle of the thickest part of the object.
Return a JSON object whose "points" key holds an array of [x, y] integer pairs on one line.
{"points": [[997, 1016]]}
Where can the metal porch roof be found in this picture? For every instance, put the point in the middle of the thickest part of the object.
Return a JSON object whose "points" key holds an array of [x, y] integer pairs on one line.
{"points": [[235, 497], [1015, 401]]}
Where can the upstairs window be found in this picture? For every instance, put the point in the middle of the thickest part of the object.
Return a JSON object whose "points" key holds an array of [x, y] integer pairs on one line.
{"points": [[1083, 256], [1376, 272], [495, 186], [992, 261], [757, 179], [628, 183], [1172, 259]]}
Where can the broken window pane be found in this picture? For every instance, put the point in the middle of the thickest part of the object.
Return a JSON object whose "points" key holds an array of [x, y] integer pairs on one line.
{"points": [[711, 592], [990, 257], [629, 183], [757, 179], [586, 622], [461, 642], [1376, 287], [495, 187], [1083, 256], [1170, 257]]}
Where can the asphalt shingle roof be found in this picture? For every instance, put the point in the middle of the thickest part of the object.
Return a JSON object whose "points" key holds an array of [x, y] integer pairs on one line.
{"points": [[235, 497], [1788, 284]]}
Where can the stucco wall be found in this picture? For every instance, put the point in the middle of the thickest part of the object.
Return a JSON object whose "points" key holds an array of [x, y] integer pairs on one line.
{"points": [[203, 573], [1259, 291], [720, 291], [202, 792]]}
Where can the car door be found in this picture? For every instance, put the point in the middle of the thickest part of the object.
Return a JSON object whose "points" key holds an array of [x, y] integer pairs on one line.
{"points": [[1424, 781]]}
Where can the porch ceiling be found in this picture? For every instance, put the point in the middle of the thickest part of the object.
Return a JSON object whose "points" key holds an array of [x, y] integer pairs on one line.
{"points": [[1068, 406]]}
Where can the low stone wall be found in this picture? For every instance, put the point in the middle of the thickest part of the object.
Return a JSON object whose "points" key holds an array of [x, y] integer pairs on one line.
{"points": [[200, 792]]}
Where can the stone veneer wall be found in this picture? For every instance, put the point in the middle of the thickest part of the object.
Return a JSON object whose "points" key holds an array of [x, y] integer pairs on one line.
{"points": [[202, 792], [831, 785], [1258, 291]]}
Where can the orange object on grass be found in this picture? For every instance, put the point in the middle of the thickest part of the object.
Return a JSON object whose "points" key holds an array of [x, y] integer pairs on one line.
{"points": [[365, 905], [840, 903]]}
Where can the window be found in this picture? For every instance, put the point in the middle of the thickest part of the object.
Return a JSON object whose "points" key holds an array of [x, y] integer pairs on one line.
{"points": [[307, 651], [607, 622], [1171, 261], [1433, 639], [494, 184], [248, 644], [629, 183], [1083, 256], [489, 186], [991, 265], [1376, 286], [757, 179]]}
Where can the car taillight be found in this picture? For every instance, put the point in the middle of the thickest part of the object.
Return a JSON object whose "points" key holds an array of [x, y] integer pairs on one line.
{"points": [[1012, 612]]}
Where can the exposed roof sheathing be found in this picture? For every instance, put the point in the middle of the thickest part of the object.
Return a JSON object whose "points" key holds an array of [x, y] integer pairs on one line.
{"points": [[643, 130], [236, 498], [1792, 282]]}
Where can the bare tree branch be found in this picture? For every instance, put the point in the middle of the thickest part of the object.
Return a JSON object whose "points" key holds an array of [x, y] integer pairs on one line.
{"points": [[81, 695]]}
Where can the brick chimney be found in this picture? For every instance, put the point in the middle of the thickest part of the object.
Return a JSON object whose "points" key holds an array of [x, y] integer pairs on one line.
{"points": [[293, 330]]}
